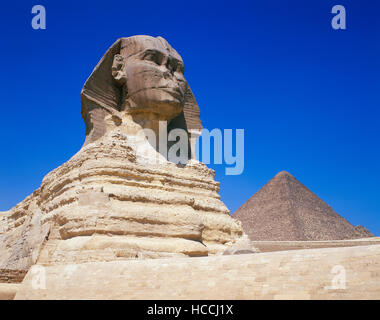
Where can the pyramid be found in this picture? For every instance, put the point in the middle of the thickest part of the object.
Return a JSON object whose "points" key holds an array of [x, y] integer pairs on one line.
{"points": [[285, 210]]}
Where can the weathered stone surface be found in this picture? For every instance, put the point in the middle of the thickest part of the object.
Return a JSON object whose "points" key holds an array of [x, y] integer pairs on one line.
{"points": [[118, 208], [8, 290], [299, 274], [22, 235], [119, 197], [12, 275], [285, 210], [242, 246]]}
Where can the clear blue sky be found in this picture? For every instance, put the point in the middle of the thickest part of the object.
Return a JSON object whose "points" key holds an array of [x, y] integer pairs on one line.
{"points": [[306, 95]]}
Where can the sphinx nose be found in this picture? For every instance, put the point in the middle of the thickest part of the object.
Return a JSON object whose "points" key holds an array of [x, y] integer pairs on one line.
{"points": [[169, 65], [167, 74]]}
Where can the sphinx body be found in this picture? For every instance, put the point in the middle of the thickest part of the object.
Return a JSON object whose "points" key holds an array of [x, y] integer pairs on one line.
{"points": [[109, 202]]}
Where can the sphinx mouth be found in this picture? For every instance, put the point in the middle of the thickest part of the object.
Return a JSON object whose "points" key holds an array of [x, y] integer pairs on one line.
{"points": [[175, 92]]}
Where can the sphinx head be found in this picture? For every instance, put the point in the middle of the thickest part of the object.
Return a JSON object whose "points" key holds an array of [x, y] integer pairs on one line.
{"points": [[141, 76], [152, 75]]}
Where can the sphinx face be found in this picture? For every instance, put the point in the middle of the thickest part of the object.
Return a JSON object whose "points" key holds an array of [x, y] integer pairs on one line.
{"points": [[155, 80]]}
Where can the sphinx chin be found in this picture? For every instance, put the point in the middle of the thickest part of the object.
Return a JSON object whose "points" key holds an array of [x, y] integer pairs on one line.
{"points": [[164, 110]]}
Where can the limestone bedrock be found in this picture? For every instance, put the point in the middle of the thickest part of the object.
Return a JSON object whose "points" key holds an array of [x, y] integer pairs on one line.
{"points": [[110, 201]]}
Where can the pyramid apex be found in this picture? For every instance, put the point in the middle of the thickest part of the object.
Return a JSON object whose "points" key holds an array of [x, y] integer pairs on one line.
{"points": [[283, 174]]}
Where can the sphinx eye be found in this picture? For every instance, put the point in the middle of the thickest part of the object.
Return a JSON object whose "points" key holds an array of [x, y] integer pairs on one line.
{"points": [[152, 56]]}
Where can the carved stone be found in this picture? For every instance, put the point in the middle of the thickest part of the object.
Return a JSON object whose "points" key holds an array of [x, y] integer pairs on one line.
{"points": [[109, 202]]}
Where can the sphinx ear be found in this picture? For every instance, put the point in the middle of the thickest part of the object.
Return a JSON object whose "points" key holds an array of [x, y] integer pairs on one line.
{"points": [[118, 71]]}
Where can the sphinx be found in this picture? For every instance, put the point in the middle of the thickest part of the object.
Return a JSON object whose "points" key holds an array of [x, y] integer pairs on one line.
{"points": [[108, 202]]}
